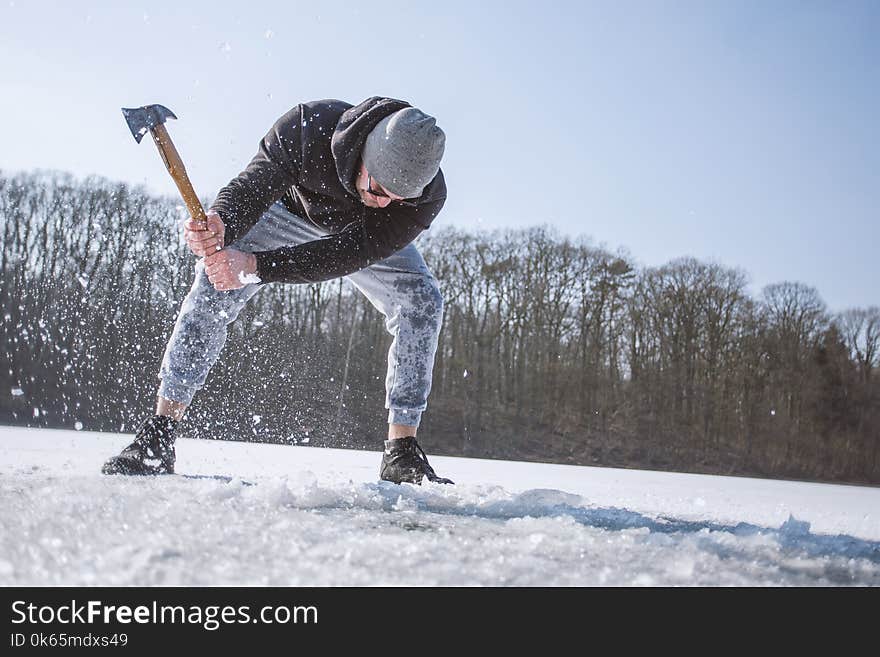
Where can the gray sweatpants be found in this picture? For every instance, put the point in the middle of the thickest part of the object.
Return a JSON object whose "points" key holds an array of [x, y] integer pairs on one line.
{"points": [[401, 287]]}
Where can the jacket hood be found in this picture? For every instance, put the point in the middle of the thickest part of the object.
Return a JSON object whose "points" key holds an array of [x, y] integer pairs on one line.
{"points": [[351, 133]]}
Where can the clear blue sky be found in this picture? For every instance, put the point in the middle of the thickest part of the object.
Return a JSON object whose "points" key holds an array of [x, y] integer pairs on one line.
{"points": [[743, 132]]}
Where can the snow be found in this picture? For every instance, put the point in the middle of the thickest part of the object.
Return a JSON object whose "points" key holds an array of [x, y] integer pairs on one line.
{"points": [[247, 279], [300, 516]]}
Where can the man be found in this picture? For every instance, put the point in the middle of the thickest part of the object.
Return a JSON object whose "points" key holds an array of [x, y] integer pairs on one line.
{"points": [[334, 190]]}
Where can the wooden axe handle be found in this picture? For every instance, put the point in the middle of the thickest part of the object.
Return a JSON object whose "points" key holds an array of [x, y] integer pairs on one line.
{"points": [[175, 167]]}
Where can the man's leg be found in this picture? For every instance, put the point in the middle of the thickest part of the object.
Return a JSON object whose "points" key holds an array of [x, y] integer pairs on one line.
{"points": [[198, 337], [403, 289], [201, 327]]}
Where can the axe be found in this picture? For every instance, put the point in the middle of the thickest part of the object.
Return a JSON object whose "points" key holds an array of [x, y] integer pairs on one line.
{"points": [[151, 118]]}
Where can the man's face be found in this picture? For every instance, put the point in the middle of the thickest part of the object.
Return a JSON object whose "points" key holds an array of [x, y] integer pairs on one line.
{"points": [[372, 193]]}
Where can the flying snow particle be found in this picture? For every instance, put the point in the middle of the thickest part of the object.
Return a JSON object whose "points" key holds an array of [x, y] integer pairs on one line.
{"points": [[465, 375], [257, 419], [78, 425], [305, 440], [225, 47], [36, 412], [247, 279], [17, 392], [83, 281], [258, 323], [269, 34]]}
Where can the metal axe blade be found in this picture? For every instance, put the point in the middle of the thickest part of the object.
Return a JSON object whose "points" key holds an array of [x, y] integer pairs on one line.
{"points": [[143, 119]]}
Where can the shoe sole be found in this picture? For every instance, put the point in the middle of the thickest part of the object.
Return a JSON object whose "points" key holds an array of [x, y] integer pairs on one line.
{"points": [[436, 480], [131, 468]]}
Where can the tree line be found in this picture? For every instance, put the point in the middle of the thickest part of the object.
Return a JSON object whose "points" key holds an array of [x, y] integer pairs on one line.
{"points": [[552, 349]]}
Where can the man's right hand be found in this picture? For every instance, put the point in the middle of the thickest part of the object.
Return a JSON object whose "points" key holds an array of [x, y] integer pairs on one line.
{"points": [[204, 242]]}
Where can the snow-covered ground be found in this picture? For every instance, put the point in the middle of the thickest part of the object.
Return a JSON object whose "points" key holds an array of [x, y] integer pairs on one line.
{"points": [[310, 516]]}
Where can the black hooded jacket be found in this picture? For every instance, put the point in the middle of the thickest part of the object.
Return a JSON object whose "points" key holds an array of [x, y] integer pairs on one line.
{"points": [[309, 161]]}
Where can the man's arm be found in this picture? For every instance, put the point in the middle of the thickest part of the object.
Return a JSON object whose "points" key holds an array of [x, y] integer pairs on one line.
{"points": [[376, 236], [271, 172]]}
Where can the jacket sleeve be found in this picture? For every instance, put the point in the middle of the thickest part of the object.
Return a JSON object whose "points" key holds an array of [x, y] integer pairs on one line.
{"points": [[377, 235], [271, 172]]}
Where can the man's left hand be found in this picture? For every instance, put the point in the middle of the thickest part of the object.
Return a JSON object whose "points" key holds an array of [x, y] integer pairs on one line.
{"points": [[226, 268]]}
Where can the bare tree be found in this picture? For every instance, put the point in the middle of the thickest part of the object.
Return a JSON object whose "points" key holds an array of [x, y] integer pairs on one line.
{"points": [[860, 328], [551, 349]]}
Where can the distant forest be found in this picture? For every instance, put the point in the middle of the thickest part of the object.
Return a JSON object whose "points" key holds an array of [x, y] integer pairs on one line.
{"points": [[553, 349]]}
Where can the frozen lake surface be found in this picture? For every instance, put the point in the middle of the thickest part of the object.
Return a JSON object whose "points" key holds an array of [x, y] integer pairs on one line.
{"points": [[256, 514]]}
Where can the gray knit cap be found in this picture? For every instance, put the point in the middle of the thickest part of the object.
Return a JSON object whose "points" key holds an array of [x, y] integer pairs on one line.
{"points": [[403, 152]]}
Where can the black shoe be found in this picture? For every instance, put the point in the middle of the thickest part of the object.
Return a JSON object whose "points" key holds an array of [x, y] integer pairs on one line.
{"points": [[405, 461], [151, 453]]}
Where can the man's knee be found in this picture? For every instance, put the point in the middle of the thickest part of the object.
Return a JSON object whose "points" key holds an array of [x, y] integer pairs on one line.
{"points": [[204, 300], [422, 301]]}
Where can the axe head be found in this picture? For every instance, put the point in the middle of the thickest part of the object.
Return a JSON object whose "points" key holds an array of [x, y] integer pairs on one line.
{"points": [[143, 119]]}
